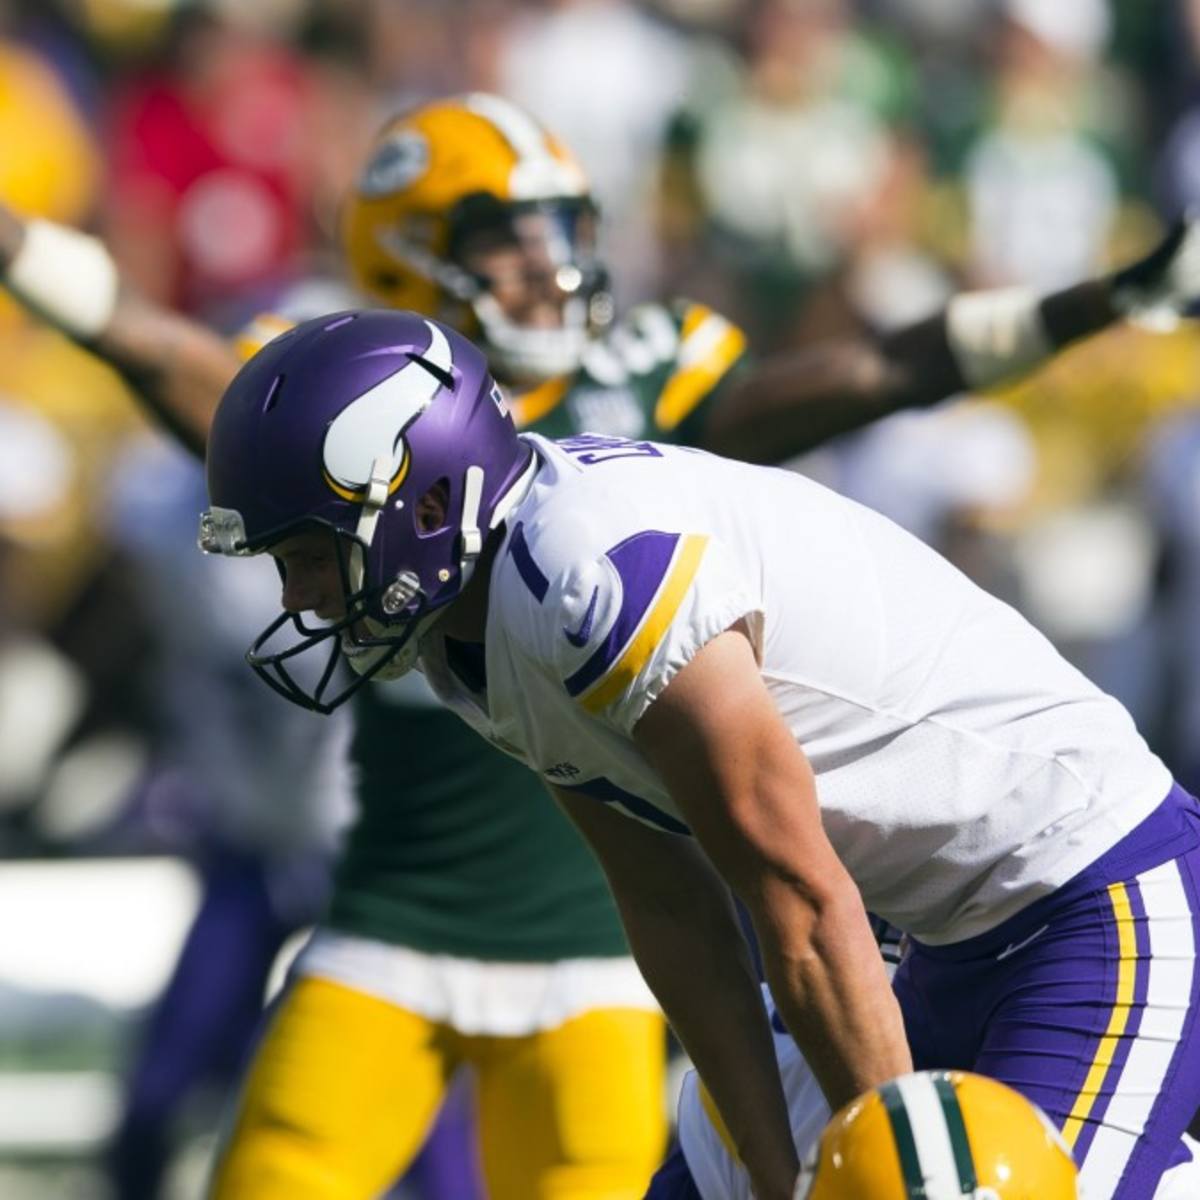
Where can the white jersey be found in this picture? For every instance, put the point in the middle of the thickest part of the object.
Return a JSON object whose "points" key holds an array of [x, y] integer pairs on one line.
{"points": [[963, 767]]}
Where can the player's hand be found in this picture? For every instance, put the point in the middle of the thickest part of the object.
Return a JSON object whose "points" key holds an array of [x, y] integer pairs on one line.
{"points": [[1156, 291]]}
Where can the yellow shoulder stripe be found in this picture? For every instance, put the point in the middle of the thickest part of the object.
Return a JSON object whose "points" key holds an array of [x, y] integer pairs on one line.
{"points": [[626, 669], [695, 316], [710, 345]]}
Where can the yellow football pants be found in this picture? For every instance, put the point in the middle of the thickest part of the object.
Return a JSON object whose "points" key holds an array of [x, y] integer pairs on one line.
{"points": [[345, 1086]]}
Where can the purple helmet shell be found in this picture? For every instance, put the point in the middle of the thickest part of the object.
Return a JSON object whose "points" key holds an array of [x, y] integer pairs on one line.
{"points": [[346, 421]]}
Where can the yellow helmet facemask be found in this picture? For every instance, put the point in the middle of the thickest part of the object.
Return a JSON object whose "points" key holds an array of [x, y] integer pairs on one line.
{"points": [[468, 211], [939, 1135]]}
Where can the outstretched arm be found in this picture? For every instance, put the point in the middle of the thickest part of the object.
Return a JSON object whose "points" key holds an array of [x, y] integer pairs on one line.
{"points": [[794, 401], [175, 365]]}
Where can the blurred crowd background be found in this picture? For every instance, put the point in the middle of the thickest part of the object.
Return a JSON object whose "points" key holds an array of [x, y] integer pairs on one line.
{"points": [[803, 165]]}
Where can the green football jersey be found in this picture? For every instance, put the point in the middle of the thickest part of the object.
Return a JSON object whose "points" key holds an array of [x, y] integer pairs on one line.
{"points": [[458, 849]]}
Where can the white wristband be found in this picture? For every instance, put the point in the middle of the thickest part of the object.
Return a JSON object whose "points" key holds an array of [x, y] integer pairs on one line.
{"points": [[996, 334], [67, 277]]}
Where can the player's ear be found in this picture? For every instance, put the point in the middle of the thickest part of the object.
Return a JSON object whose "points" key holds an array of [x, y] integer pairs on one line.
{"points": [[433, 507]]}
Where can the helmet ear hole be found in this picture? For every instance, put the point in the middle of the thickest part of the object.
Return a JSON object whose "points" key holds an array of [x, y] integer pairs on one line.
{"points": [[432, 510]]}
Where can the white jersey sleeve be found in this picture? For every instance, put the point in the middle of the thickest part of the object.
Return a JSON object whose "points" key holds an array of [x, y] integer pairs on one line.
{"points": [[628, 619]]}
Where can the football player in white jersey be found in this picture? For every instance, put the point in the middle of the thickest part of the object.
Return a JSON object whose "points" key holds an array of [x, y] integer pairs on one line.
{"points": [[733, 678]]}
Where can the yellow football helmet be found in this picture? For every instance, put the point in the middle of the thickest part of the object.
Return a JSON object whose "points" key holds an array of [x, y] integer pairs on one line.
{"points": [[940, 1135], [474, 171]]}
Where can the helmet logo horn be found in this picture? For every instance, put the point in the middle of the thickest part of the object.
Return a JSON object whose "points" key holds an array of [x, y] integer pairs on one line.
{"points": [[376, 421]]}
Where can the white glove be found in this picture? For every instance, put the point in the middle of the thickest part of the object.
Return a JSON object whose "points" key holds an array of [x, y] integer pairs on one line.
{"points": [[1160, 289]]}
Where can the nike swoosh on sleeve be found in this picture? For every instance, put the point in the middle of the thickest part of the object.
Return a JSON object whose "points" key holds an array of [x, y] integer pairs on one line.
{"points": [[584, 632]]}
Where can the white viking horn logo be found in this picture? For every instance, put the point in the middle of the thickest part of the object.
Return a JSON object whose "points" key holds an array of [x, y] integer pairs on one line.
{"points": [[367, 427]]}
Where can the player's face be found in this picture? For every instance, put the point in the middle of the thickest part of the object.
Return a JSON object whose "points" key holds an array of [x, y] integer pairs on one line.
{"points": [[313, 566], [528, 265], [312, 574]]}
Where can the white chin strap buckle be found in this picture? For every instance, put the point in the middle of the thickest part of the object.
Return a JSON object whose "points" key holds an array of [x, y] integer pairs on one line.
{"points": [[373, 503], [472, 538]]}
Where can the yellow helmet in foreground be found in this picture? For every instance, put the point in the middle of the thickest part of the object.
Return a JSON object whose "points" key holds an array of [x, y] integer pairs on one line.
{"points": [[940, 1135], [478, 171]]}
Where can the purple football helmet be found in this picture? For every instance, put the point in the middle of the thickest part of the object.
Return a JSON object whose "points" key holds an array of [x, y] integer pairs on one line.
{"points": [[346, 422]]}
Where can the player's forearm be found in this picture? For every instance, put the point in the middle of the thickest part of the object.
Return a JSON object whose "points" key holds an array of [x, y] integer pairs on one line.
{"points": [[983, 339], [829, 984], [695, 960], [986, 339], [177, 367], [795, 401]]}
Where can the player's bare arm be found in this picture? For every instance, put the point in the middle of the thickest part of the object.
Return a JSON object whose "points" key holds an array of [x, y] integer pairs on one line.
{"points": [[748, 793], [681, 926], [792, 402], [176, 366]]}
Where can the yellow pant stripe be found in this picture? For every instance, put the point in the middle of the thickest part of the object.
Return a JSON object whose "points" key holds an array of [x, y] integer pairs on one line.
{"points": [[1118, 1019]]}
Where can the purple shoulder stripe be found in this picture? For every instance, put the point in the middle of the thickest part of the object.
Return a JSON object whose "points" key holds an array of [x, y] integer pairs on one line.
{"points": [[642, 562], [529, 571]]}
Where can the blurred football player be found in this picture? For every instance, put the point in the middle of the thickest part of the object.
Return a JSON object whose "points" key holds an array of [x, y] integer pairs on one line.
{"points": [[469, 211], [733, 678]]}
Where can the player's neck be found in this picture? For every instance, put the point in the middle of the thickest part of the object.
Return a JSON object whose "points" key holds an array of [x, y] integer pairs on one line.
{"points": [[466, 618]]}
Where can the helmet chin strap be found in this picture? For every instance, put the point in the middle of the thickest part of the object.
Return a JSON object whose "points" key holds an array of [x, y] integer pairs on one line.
{"points": [[363, 659], [472, 535], [472, 539], [377, 493], [364, 532]]}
